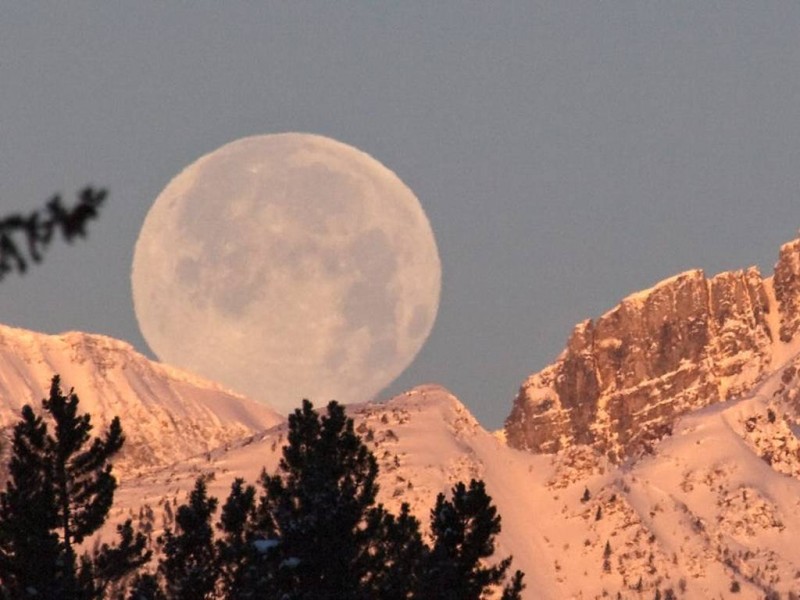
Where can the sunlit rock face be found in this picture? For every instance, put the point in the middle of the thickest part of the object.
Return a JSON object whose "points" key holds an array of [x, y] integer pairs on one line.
{"points": [[686, 343], [787, 290]]}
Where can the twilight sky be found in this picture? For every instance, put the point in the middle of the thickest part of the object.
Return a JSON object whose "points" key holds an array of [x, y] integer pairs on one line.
{"points": [[566, 153]]}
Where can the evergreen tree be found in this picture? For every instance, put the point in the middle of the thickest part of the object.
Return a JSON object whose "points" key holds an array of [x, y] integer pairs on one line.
{"points": [[59, 492], [29, 545], [316, 533], [101, 572], [190, 565], [607, 557], [237, 550], [84, 485], [513, 591], [464, 530], [319, 508], [146, 587], [398, 553]]}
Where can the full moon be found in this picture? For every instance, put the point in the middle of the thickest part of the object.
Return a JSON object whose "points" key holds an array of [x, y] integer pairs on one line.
{"points": [[287, 266]]}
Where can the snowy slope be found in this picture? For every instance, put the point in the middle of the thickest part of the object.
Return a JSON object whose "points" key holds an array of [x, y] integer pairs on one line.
{"points": [[704, 511], [166, 414]]}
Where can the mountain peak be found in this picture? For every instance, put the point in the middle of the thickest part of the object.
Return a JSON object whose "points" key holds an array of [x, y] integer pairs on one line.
{"points": [[167, 414], [643, 295], [684, 343], [429, 393]]}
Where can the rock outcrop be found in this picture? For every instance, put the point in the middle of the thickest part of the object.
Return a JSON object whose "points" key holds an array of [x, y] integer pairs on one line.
{"points": [[686, 343], [787, 290]]}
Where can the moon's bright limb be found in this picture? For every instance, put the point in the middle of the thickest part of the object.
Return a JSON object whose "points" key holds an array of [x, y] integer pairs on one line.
{"points": [[288, 266]]}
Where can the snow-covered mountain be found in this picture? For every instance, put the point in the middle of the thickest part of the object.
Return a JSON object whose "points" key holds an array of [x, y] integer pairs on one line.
{"points": [[714, 508], [166, 414], [660, 452], [685, 343]]}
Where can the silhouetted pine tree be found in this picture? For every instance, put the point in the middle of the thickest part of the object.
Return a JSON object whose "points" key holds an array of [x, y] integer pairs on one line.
{"points": [[316, 532], [145, 586], [513, 591], [398, 555], [190, 567], [464, 530], [319, 508], [101, 571], [59, 492], [237, 551], [30, 548]]}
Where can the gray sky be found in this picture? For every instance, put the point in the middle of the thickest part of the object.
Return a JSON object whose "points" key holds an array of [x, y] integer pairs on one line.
{"points": [[567, 153]]}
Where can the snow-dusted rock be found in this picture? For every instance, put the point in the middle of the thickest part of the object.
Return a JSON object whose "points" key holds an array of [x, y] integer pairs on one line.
{"points": [[686, 343]]}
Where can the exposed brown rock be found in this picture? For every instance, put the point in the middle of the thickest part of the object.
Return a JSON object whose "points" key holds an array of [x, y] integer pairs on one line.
{"points": [[686, 343], [787, 289]]}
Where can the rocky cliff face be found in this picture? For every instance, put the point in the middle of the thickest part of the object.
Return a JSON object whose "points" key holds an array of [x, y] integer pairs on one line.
{"points": [[787, 290], [686, 343]]}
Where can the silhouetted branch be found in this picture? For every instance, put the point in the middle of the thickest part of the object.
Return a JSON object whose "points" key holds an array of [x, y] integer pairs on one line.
{"points": [[38, 228]]}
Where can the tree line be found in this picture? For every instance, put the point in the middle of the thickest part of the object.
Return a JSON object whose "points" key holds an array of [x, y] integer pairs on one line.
{"points": [[311, 530]]}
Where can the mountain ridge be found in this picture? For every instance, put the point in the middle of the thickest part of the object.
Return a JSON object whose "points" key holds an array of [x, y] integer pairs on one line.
{"points": [[167, 414], [686, 342]]}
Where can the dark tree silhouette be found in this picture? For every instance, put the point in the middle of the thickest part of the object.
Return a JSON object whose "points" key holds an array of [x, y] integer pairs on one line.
{"points": [[25, 238], [103, 570], [59, 492], [398, 552], [190, 567], [29, 543], [513, 591], [321, 501], [317, 533], [464, 530]]}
